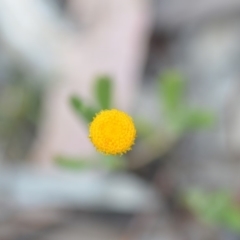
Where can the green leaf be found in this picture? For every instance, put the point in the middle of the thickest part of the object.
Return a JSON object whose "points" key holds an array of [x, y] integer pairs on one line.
{"points": [[231, 218], [179, 118], [77, 164], [76, 103], [199, 119], [86, 112], [103, 92], [171, 90], [72, 163], [215, 208], [89, 113]]}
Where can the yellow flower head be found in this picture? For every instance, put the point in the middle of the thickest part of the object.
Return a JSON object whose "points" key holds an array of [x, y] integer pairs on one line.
{"points": [[112, 132]]}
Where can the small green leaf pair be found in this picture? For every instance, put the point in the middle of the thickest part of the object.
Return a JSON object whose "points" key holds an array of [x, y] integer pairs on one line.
{"points": [[103, 96]]}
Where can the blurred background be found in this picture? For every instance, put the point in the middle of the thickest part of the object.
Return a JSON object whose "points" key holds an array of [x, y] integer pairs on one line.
{"points": [[173, 65]]}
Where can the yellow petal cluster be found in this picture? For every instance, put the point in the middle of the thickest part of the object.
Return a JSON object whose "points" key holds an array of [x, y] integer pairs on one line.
{"points": [[112, 132]]}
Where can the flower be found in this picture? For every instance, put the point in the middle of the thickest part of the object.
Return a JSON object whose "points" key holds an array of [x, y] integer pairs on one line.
{"points": [[112, 132]]}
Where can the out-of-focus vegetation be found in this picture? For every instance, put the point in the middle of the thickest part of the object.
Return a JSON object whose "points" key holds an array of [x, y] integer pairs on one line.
{"points": [[103, 98], [185, 160], [178, 117], [20, 104], [78, 164], [215, 208]]}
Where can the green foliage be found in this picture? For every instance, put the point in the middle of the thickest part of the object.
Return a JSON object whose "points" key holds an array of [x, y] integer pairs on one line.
{"points": [[178, 115], [103, 92], [199, 119], [78, 164], [72, 163], [171, 88], [20, 104], [85, 112], [215, 208]]}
